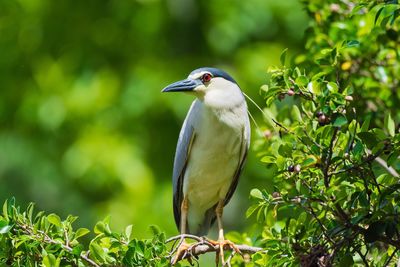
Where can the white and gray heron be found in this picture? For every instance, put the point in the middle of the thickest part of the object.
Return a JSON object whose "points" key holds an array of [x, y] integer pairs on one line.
{"points": [[210, 154]]}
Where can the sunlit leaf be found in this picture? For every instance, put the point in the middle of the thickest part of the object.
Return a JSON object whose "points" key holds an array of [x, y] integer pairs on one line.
{"points": [[389, 124], [81, 232], [282, 58], [256, 193], [54, 219]]}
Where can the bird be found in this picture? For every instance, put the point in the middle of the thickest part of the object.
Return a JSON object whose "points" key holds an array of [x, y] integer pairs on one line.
{"points": [[211, 152]]}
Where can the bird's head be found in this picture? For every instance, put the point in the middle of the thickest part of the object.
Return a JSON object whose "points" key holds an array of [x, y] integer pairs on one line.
{"points": [[205, 82]]}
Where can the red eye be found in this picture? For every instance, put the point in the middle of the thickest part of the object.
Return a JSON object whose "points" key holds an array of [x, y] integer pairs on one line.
{"points": [[206, 77]]}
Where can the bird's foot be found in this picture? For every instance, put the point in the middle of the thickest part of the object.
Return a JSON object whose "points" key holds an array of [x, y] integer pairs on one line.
{"points": [[224, 244], [182, 251]]}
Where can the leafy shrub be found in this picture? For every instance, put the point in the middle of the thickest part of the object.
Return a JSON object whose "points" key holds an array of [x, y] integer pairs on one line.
{"points": [[333, 144], [27, 239]]}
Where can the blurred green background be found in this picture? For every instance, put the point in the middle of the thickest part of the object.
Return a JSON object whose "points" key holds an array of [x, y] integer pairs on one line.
{"points": [[84, 129]]}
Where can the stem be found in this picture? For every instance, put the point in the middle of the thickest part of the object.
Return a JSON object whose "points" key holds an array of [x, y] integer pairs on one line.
{"points": [[329, 157]]}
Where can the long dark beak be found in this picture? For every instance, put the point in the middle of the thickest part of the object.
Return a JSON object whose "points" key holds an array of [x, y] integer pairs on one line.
{"points": [[182, 86]]}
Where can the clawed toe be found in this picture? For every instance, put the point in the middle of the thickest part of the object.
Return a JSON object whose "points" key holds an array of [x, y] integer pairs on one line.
{"points": [[223, 245], [181, 252]]}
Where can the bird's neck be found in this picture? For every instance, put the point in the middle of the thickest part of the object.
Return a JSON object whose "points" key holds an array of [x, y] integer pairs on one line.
{"points": [[221, 99], [230, 116]]}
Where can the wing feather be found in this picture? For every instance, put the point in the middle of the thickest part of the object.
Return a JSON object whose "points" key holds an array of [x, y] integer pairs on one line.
{"points": [[243, 156], [185, 141]]}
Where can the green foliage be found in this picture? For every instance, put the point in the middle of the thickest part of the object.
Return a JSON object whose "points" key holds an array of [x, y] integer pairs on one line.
{"points": [[28, 239], [334, 142]]}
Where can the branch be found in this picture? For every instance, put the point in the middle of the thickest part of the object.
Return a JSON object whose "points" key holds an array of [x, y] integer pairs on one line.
{"points": [[384, 164], [370, 158], [202, 246], [329, 158]]}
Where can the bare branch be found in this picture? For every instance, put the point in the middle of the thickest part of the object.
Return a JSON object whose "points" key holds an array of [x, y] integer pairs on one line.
{"points": [[203, 246], [389, 169], [329, 158]]}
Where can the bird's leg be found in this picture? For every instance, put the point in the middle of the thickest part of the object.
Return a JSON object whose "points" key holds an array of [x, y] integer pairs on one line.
{"points": [[221, 239], [182, 245]]}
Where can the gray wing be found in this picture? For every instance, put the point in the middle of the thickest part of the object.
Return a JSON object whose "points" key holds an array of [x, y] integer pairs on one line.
{"points": [[185, 141]]}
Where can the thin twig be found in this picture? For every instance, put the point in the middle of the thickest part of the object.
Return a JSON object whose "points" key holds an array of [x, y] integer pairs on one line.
{"points": [[229, 259], [391, 257], [362, 257], [329, 157], [324, 230], [204, 248], [194, 237], [352, 136], [389, 169], [356, 166]]}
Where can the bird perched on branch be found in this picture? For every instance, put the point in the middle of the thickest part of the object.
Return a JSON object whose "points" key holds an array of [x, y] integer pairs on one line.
{"points": [[210, 153]]}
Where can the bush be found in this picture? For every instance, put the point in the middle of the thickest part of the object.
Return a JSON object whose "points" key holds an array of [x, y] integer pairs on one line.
{"points": [[333, 143], [27, 239]]}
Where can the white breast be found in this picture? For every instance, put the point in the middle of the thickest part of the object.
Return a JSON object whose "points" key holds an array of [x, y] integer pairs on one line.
{"points": [[214, 158]]}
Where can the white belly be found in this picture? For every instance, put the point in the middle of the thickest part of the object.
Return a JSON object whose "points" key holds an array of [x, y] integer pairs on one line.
{"points": [[214, 158]]}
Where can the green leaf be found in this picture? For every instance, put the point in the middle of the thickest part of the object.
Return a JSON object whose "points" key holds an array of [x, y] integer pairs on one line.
{"points": [[77, 250], [5, 210], [285, 150], [97, 251], [102, 228], [309, 161], [54, 219], [256, 193], [302, 81], [268, 159], [298, 185], [296, 114], [365, 125], [346, 260], [81, 232], [29, 211], [389, 124], [352, 43], [378, 14], [358, 149], [340, 121], [251, 210], [128, 231], [393, 157], [282, 58], [379, 133], [332, 87], [5, 229], [50, 261], [368, 138], [154, 229]]}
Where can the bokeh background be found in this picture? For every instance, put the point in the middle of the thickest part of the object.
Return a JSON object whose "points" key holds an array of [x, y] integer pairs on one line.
{"points": [[84, 129]]}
